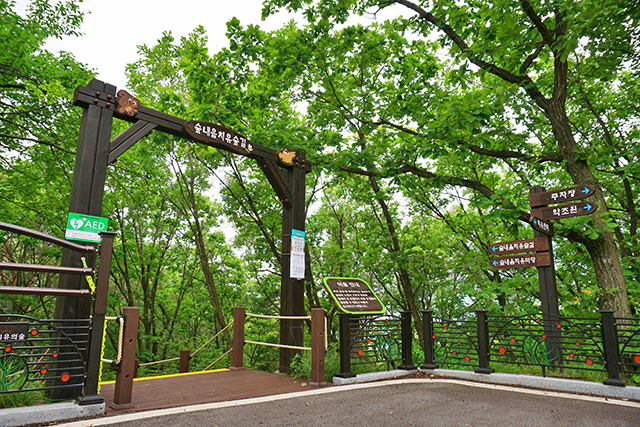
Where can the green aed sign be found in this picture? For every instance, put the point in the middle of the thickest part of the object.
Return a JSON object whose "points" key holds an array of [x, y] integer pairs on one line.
{"points": [[353, 296], [85, 228]]}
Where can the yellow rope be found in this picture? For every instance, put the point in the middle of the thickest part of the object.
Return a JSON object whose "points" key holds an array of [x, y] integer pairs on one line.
{"points": [[92, 287]]}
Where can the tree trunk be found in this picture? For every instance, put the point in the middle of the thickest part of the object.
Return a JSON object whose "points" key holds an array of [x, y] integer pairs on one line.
{"points": [[405, 279], [603, 250]]}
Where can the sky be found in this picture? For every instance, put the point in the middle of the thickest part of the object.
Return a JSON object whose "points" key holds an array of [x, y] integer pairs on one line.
{"points": [[113, 29]]}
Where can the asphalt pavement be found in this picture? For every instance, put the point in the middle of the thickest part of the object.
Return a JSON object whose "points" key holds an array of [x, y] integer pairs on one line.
{"points": [[409, 402]]}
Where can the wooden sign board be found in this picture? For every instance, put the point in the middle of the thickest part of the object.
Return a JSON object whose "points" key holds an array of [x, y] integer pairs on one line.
{"points": [[541, 259], [353, 296], [560, 196], [219, 137], [565, 211], [541, 225], [518, 246]]}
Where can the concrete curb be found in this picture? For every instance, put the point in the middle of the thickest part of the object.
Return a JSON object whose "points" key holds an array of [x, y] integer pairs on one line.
{"points": [[40, 414], [515, 380], [372, 376]]}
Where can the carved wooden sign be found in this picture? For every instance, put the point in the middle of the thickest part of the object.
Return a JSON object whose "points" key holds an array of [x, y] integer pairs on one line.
{"points": [[219, 136], [565, 211], [541, 259], [542, 226], [560, 196], [519, 246], [127, 104]]}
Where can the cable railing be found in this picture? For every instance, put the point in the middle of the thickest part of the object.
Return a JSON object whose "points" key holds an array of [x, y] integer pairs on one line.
{"points": [[186, 355]]}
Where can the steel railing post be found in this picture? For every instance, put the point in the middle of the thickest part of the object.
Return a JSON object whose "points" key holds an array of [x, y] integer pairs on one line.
{"points": [[610, 344]]}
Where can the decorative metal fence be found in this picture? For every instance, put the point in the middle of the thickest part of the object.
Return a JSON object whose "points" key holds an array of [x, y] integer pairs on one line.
{"points": [[628, 336], [367, 340], [56, 354], [547, 341], [32, 349], [597, 344], [454, 343]]}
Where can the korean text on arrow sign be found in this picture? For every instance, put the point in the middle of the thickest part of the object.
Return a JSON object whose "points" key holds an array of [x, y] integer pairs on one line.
{"points": [[565, 211], [519, 246], [542, 226], [541, 259], [560, 196]]}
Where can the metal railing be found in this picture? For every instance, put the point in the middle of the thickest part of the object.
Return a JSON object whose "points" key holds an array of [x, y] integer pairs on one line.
{"points": [[59, 353], [601, 344], [368, 340]]}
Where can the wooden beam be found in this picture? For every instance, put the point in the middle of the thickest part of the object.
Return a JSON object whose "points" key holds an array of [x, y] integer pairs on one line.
{"points": [[276, 178], [128, 138]]}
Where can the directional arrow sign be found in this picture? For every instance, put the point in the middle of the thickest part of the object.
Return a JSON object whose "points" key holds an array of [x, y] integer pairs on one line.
{"points": [[541, 226], [519, 246], [565, 211], [560, 196], [541, 259]]}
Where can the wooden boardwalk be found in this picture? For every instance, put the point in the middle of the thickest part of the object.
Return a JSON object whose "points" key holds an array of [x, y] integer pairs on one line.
{"points": [[203, 387]]}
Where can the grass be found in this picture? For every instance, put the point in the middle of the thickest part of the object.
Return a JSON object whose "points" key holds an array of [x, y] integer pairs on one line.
{"points": [[23, 398]]}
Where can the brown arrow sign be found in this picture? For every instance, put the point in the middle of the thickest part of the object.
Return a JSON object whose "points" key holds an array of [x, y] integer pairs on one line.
{"points": [[541, 226], [565, 211], [560, 196], [541, 259], [519, 246]]}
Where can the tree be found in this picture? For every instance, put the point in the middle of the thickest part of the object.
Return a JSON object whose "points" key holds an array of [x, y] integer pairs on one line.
{"points": [[38, 125], [521, 90]]}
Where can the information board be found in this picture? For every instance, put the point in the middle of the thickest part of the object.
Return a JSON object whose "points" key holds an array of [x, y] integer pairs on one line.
{"points": [[353, 295]]}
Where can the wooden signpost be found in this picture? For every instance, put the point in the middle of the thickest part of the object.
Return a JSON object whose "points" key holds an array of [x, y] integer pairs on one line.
{"points": [[541, 244]]}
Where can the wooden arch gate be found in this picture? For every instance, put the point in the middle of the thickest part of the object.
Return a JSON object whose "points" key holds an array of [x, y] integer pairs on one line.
{"points": [[285, 172]]}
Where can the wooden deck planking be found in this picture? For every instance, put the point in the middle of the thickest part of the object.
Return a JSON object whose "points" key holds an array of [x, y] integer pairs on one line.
{"points": [[203, 387]]}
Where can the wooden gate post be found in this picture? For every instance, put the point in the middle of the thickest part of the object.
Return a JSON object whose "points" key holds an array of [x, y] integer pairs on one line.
{"points": [[292, 290], [124, 378], [317, 347], [87, 189], [237, 354]]}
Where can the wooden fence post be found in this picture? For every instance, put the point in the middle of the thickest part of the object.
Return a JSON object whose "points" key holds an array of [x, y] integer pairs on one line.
{"points": [[185, 356], [317, 347], [237, 354], [124, 378]]}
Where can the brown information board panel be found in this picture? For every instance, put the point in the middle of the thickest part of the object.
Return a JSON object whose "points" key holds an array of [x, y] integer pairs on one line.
{"points": [[353, 295]]}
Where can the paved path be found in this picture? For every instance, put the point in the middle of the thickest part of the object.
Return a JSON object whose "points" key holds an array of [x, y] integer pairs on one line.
{"points": [[413, 402]]}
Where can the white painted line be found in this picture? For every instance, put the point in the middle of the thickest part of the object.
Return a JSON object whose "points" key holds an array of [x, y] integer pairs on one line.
{"points": [[337, 389]]}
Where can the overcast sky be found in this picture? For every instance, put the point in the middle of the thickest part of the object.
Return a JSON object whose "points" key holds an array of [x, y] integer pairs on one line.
{"points": [[113, 29]]}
